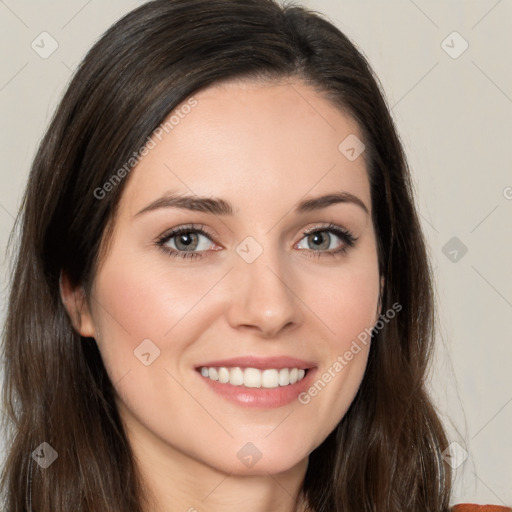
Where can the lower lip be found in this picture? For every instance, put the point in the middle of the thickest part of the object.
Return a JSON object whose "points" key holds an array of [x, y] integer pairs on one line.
{"points": [[261, 397]]}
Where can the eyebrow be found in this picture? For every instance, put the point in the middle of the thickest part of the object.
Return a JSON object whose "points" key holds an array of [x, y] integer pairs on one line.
{"points": [[219, 206]]}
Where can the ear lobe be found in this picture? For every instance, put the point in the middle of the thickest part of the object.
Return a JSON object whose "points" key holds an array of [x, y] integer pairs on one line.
{"points": [[75, 302]]}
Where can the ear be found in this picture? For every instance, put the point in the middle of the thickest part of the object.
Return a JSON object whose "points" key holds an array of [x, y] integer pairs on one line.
{"points": [[75, 302]]}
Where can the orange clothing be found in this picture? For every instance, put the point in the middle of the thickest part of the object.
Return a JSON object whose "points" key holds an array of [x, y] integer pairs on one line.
{"points": [[469, 507]]}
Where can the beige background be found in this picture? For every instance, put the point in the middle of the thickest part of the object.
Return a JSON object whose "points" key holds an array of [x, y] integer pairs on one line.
{"points": [[455, 119]]}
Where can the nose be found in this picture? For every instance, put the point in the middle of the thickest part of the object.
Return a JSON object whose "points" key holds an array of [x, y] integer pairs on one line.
{"points": [[263, 297]]}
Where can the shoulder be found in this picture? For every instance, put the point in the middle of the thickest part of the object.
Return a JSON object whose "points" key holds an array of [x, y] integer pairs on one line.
{"points": [[470, 507]]}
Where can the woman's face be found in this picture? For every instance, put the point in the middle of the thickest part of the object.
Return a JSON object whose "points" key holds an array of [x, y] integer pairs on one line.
{"points": [[248, 164]]}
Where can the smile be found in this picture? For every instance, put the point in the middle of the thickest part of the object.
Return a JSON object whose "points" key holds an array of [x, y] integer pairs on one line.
{"points": [[254, 377]]}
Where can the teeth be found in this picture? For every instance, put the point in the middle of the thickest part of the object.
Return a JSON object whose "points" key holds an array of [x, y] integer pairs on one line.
{"points": [[236, 377], [284, 377], [253, 377], [270, 378], [223, 375]]}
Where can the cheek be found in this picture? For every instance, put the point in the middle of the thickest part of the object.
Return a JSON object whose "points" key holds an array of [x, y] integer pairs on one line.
{"points": [[350, 307], [136, 299], [145, 299], [346, 303], [345, 300]]}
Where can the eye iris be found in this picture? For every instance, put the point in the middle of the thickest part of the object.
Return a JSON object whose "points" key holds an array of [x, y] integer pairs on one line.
{"points": [[186, 239], [316, 238]]}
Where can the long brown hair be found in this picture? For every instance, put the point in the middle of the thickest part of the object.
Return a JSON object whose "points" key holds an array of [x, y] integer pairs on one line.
{"points": [[385, 454]]}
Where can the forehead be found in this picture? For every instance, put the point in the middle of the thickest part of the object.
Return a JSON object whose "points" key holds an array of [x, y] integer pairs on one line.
{"points": [[252, 143]]}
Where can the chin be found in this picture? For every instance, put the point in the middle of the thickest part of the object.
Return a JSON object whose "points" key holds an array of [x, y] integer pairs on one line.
{"points": [[259, 458]]}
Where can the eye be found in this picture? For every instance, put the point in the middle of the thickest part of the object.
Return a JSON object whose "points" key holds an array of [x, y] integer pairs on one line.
{"points": [[323, 240], [185, 242], [191, 241]]}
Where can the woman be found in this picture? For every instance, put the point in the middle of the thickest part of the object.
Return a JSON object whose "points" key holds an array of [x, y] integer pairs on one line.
{"points": [[221, 297]]}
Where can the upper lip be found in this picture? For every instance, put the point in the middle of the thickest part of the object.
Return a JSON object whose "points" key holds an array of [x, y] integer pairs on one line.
{"points": [[262, 363]]}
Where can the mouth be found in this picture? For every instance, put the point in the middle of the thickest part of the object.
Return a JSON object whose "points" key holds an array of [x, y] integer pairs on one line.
{"points": [[254, 377], [262, 382]]}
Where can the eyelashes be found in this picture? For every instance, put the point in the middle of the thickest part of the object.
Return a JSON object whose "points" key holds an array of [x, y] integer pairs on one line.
{"points": [[189, 236], [182, 231]]}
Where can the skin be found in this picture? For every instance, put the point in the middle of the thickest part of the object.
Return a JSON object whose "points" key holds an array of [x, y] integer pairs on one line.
{"points": [[262, 147]]}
